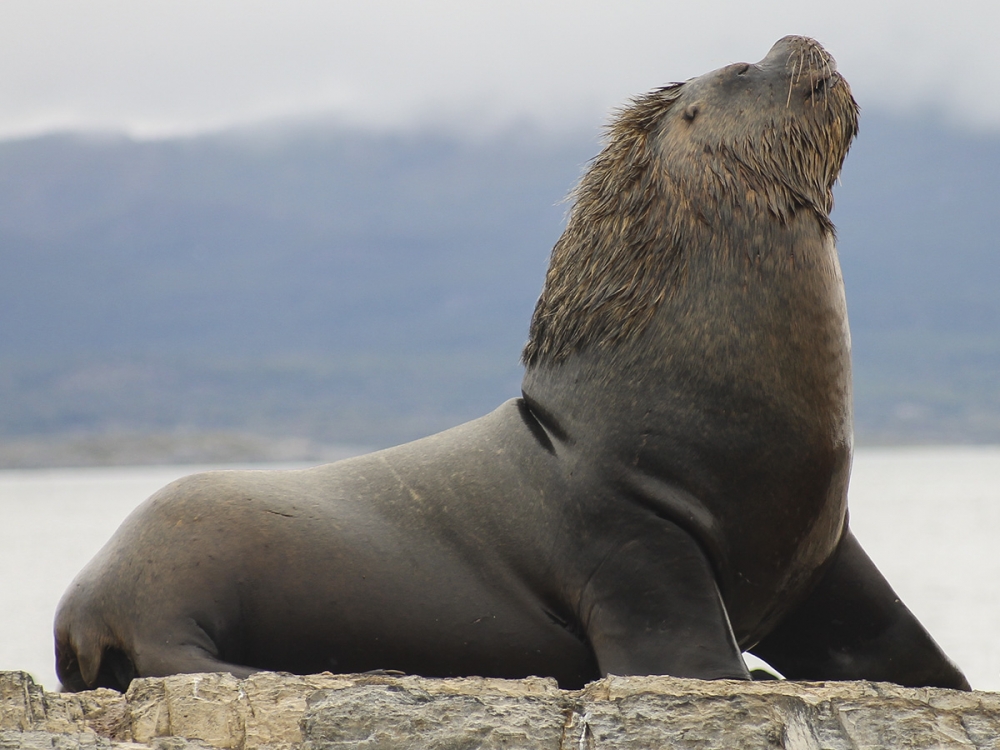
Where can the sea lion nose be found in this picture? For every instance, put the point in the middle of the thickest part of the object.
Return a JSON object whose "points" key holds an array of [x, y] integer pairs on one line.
{"points": [[795, 54]]}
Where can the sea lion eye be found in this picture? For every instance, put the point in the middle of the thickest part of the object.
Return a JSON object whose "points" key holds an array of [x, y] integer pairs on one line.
{"points": [[743, 68]]}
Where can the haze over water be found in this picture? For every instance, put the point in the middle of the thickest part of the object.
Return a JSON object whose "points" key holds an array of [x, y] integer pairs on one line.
{"points": [[929, 517]]}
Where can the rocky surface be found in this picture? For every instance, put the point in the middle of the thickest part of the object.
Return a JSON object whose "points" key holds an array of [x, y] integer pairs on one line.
{"points": [[334, 712]]}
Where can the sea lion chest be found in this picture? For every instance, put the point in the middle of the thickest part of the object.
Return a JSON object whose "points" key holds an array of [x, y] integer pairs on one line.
{"points": [[729, 414]]}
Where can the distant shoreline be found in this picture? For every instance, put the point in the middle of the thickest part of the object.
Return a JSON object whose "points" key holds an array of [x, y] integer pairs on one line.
{"points": [[164, 449], [210, 448]]}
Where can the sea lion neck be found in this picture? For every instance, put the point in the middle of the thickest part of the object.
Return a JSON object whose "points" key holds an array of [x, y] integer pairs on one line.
{"points": [[767, 324]]}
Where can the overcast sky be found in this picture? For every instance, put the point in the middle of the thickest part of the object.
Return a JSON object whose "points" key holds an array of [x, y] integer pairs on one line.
{"points": [[162, 67]]}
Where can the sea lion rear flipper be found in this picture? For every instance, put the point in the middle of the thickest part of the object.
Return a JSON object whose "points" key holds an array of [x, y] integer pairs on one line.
{"points": [[189, 659], [853, 626], [89, 654], [113, 668], [653, 607]]}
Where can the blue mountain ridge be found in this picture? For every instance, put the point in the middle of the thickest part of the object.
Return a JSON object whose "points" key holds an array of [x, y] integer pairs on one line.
{"points": [[366, 288]]}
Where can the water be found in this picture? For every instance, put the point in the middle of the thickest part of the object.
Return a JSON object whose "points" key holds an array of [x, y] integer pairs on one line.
{"points": [[929, 517]]}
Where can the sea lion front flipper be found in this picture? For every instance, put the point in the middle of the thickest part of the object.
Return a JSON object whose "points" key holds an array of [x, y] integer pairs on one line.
{"points": [[653, 607], [853, 626]]}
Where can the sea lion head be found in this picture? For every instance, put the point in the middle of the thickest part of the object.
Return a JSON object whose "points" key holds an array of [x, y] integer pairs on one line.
{"points": [[785, 121], [692, 167]]}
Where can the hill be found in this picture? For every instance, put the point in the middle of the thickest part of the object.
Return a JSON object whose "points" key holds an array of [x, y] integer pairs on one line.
{"points": [[341, 287], [921, 259]]}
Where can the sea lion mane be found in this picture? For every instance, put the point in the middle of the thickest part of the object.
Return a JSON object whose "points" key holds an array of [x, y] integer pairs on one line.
{"points": [[690, 167]]}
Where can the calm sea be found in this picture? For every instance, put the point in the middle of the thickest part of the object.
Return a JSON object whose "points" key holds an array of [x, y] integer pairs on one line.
{"points": [[929, 517]]}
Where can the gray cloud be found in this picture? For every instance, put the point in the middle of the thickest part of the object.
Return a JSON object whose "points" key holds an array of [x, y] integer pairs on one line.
{"points": [[159, 67]]}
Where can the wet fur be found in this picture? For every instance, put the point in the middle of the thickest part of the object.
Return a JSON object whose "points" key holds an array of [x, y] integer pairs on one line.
{"points": [[659, 189]]}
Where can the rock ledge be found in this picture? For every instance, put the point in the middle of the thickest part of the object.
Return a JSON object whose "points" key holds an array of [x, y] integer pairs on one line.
{"points": [[334, 712]]}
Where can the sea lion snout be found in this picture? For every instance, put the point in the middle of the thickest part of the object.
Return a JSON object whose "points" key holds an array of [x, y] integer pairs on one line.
{"points": [[792, 52], [804, 61], [796, 68]]}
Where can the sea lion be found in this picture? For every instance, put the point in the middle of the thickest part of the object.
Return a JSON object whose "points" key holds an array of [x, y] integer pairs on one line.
{"points": [[669, 489]]}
